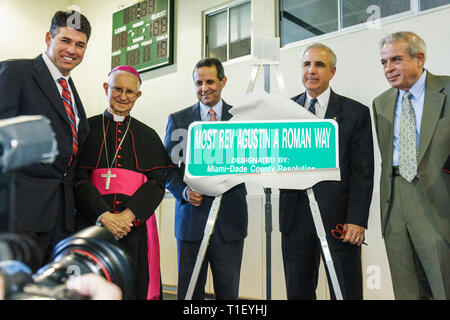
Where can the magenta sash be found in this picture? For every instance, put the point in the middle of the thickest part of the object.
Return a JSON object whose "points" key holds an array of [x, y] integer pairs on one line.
{"points": [[128, 182]]}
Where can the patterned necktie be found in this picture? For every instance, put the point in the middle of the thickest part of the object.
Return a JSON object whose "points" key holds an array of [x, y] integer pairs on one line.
{"points": [[407, 140], [311, 107], [67, 101], [212, 115]]}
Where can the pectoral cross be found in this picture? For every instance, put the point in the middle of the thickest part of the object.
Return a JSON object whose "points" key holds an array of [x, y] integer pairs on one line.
{"points": [[108, 177]]}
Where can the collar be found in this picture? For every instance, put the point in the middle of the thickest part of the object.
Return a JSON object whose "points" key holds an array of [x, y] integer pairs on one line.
{"points": [[418, 87], [56, 74], [108, 114], [218, 108], [323, 98]]}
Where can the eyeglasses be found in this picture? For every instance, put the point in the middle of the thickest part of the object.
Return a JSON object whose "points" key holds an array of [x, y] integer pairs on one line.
{"points": [[118, 91]]}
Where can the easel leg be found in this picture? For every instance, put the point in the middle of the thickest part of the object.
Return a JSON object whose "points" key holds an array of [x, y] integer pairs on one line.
{"points": [[318, 223], [209, 228]]}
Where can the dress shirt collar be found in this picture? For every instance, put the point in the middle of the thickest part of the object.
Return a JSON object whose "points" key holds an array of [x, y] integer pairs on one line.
{"points": [[418, 88], [56, 74], [322, 99], [217, 109]]}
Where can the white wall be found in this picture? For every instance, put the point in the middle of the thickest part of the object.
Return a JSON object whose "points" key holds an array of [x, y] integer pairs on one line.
{"points": [[23, 24]]}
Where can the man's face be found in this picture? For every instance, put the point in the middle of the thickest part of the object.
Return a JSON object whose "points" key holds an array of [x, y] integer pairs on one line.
{"points": [[400, 70], [66, 49], [316, 70], [207, 86], [122, 93]]}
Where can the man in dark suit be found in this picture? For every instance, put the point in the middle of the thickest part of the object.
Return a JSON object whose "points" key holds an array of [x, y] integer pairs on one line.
{"points": [[344, 202], [44, 207], [413, 130], [225, 249]]}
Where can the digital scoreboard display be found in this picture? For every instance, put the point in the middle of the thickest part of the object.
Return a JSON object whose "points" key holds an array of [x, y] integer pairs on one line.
{"points": [[142, 35]]}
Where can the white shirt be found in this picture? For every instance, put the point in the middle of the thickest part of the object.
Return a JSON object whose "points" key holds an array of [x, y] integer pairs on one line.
{"points": [[321, 104], [56, 74]]}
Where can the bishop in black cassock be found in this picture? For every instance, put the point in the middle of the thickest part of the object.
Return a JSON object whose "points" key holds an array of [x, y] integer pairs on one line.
{"points": [[120, 179]]}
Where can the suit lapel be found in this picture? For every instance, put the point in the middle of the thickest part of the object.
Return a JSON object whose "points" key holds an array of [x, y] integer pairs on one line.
{"points": [[83, 125], [45, 81], [432, 108], [300, 99], [195, 114], [226, 115], [334, 108], [388, 112]]}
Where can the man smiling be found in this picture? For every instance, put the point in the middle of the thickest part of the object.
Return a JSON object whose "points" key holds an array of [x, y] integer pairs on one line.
{"points": [[44, 207], [411, 119], [224, 253], [119, 181]]}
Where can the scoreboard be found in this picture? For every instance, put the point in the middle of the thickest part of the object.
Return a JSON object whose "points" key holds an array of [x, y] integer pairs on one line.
{"points": [[142, 35]]}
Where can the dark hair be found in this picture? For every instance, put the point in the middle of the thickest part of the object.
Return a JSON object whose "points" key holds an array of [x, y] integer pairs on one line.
{"points": [[70, 18], [209, 62]]}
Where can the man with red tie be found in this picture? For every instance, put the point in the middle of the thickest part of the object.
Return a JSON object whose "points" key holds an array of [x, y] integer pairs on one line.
{"points": [[119, 181], [44, 206], [226, 245]]}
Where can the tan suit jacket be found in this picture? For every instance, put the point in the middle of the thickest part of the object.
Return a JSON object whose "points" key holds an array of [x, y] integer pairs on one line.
{"points": [[434, 149]]}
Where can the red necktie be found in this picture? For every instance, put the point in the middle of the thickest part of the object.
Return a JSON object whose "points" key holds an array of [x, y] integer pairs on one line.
{"points": [[67, 101], [212, 115]]}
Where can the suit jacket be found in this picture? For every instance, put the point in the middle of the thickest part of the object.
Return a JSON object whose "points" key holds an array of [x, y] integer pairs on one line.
{"points": [[348, 200], [434, 148], [43, 191], [190, 221]]}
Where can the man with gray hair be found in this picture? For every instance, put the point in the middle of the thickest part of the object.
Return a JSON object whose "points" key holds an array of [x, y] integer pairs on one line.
{"points": [[119, 180], [411, 120], [344, 202]]}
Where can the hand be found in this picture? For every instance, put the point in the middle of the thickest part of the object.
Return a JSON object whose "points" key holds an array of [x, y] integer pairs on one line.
{"points": [[354, 234], [95, 287], [118, 224], [194, 198]]}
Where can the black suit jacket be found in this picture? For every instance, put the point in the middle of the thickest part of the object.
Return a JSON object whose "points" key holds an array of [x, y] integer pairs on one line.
{"points": [[348, 200], [190, 221], [42, 190]]}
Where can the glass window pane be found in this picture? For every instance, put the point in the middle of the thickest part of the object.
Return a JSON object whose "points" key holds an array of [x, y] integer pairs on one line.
{"points": [[305, 19], [216, 45], [428, 4], [240, 30], [360, 11]]}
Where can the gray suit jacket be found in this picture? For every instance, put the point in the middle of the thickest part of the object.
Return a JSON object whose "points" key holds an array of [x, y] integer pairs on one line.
{"points": [[434, 148]]}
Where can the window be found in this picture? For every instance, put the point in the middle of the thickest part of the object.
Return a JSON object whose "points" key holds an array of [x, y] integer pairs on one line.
{"points": [[306, 19], [228, 32], [428, 4], [360, 11], [301, 20]]}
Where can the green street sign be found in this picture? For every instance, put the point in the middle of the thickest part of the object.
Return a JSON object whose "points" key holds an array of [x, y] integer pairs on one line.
{"points": [[230, 148]]}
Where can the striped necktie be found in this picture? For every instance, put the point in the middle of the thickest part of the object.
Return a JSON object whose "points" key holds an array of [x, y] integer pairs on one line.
{"points": [[67, 101], [407, 153], [312, 107], [212, 115]]}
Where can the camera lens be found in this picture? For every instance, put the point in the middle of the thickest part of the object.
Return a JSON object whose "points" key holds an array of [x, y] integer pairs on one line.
{"points": [[20, 248], [91, 250]]}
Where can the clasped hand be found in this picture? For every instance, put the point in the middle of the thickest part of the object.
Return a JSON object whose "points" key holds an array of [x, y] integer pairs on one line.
{"points": [[119, 224]]}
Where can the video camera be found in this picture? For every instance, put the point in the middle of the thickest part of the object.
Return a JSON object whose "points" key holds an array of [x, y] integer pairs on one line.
{"points": [[92, 250], [23, 141]]}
